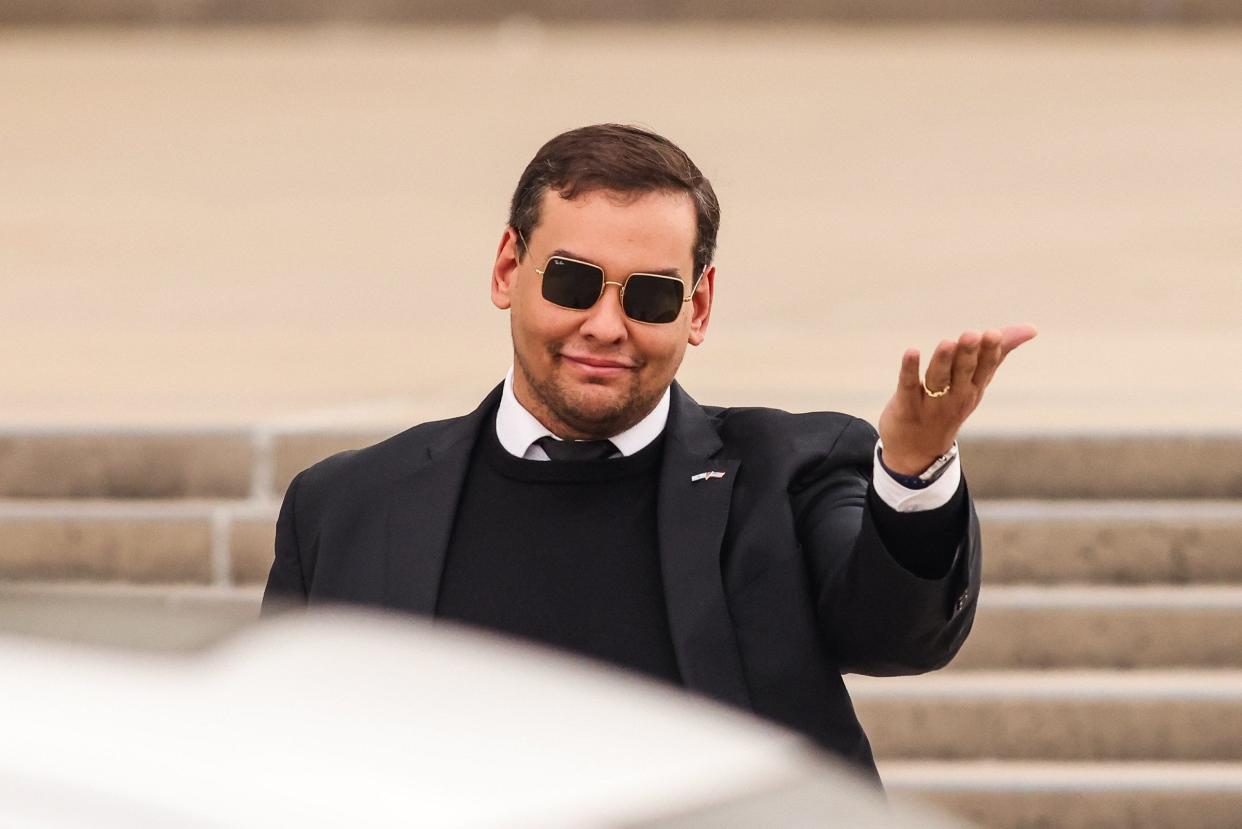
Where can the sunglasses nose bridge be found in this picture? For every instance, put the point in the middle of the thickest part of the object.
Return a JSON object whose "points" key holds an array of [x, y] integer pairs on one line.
{"points": [[606, 319], [603, 295], [603, 290]]}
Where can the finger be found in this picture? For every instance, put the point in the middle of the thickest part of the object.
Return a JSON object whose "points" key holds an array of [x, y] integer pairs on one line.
{"points": [[940, 368], [965, 359], [908, 378], [1013, 336], [989, 358]]}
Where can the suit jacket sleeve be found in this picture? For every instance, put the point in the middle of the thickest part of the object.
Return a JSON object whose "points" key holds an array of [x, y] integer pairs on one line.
{"points": [[894, 593], [286, 582]]}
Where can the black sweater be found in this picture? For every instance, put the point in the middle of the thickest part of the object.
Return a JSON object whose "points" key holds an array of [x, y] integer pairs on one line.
{"points": [[564, 553]]}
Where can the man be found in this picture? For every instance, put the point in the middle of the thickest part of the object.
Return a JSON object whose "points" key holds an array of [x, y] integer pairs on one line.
{"points": [[750, 555]]}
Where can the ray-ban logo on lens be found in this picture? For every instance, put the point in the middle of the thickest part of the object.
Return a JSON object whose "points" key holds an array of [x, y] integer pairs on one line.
{"points": [[706, 476]]}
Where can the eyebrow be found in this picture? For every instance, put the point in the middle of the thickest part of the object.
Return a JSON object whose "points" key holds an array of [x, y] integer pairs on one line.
{"points": [[568, 254]]}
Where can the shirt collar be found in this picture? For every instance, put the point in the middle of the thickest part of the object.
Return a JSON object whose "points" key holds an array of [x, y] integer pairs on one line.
{"points": [[518, 429]]}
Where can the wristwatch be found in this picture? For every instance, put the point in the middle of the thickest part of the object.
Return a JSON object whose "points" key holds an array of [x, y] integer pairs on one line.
{"points": [[928, 476]]}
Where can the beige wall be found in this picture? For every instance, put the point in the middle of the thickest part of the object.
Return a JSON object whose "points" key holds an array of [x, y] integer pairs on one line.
{"points": [[196, 12], [255, 225]]}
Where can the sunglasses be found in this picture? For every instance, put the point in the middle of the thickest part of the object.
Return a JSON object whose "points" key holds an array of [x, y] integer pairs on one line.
{"points": [[645, 297]]}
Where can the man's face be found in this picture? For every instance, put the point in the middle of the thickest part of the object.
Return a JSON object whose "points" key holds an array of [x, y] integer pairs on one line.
{"points": [[594, 373]]}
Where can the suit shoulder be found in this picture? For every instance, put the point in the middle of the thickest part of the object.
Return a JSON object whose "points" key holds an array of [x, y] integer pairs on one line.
{"points": [[377, 465], [804, 434]]}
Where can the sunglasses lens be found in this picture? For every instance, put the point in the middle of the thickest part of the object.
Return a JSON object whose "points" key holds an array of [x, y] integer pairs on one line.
{"points": [[572, 284], [653, 298]]}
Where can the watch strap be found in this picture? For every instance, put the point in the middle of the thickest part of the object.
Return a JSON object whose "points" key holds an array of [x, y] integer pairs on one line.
{"points": [[928, 476]]}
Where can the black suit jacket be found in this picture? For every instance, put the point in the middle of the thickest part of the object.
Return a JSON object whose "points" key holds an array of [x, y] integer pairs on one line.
{"points": [[777, 577]]}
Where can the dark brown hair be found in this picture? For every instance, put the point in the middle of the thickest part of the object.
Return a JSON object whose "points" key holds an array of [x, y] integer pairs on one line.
{"points": [[620, 158]]}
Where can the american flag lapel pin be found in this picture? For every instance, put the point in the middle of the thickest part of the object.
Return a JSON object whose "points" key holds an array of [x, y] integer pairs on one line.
{"points": [[706, 476]]}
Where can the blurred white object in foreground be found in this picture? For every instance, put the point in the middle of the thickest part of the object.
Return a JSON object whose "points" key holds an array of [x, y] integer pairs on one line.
{"points": [[350, 719]]}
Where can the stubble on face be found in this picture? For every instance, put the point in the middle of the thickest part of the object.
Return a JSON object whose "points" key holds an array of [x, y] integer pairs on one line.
{"points": [[575, 413]]}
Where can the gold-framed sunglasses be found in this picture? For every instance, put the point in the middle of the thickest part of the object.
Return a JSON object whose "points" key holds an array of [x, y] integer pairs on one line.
{"points": [[650, 298]]}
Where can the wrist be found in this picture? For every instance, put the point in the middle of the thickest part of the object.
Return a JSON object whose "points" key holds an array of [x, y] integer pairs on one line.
{"points": [[908, 463]]}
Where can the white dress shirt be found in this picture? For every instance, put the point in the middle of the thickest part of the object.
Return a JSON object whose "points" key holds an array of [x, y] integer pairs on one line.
{"points": [[518, 429]]}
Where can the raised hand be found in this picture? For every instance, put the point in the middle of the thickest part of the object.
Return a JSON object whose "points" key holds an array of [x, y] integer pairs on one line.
{"points": [[920, 422]]}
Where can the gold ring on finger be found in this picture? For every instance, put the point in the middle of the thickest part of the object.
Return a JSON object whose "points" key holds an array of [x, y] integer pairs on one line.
{"points": [[940, 393]]}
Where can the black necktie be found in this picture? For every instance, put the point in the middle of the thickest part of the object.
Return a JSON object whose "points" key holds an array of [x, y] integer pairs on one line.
{"points": [[576, 450]]}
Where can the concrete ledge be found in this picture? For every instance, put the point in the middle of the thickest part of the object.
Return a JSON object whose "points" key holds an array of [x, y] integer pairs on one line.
{"points": [[260, 461], [1157, 685], [1153, 598], [125, 616], [1053, 716], [1098, 466], [161, 547], [166, 595], [1141, 795], [1130, 627], [1060, 467], [1142, 543], [1112, 542], [1039, 546], [124, 465], [142, 542]]}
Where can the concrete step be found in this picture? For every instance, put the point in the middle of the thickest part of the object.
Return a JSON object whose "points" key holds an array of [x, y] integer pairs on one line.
{"points": [[1016, 628], [260, 462], [997, 466], [128, 464], [1053, 715], [1030, 627], [1121, 543], [1112, 542], [144, 542], [1102, 542], [1075, 795], [1103, 466], [140, 617], [225, 543]]}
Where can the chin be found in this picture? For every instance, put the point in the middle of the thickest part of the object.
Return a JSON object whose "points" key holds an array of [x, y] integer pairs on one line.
{"points": [[594, 403], [597, 408]]}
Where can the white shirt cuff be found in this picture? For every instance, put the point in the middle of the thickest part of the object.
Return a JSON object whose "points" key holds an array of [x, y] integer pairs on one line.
{"points": [[903, 499]]}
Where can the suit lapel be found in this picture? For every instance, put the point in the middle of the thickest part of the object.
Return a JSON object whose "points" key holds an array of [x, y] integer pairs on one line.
{"points": [[691, 516], [421, 514]]}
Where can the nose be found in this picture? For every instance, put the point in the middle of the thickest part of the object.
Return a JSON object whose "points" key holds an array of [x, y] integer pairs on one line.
{"points": [[605, 320]]}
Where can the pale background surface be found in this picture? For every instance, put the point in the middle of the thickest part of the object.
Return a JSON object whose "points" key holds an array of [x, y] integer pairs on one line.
{"points": [[297, 226]]}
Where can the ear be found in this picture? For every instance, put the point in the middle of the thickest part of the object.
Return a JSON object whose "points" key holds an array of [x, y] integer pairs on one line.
{"points": [[701, 306], [504, 271]]}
